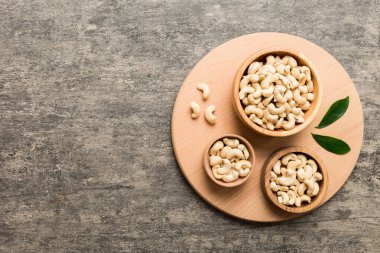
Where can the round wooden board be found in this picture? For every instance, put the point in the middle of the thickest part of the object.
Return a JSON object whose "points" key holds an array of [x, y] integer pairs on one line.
{"points": [[218, 69]]}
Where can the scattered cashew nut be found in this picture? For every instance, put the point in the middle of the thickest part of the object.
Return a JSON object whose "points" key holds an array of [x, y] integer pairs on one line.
{"points": [[209, 114], [205, 90], [195, 110]]}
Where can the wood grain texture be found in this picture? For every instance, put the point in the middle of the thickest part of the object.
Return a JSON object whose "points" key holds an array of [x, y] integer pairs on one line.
{"points": [[87, 90], [305, 207], [218, 68], [260, 56]]}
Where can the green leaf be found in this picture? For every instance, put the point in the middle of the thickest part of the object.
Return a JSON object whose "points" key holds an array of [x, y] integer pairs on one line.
{"points": [[336, 110], [332, 144]]}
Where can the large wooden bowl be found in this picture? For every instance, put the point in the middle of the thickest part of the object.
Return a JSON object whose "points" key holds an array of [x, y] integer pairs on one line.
{"points": [[301, 60], [272, 197], [207, 167]]}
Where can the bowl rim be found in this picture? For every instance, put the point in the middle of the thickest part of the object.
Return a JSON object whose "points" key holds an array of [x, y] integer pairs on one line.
{"points": [[316, 81], [272, 197], [207, 167]]}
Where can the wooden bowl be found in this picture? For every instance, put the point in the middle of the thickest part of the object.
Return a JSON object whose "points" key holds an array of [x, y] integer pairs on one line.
{"points": [[301, 60], [207, 166], [265, 180]]}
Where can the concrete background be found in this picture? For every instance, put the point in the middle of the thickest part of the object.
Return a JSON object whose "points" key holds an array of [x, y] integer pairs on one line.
{"points": [[86, 95]]}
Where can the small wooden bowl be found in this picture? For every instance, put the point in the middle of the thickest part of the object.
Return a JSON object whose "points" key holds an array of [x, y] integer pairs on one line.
{"points": [[207, 167], [301, 60], [265, 180]]}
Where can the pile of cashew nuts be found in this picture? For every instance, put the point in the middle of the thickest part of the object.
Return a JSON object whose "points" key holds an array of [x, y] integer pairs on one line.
{"points": [[228, 160], [276, 94], [196, 109], [295, 179]]}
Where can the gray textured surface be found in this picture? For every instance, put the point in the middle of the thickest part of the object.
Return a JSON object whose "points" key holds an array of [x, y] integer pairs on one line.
{"points": [[86, 94]]}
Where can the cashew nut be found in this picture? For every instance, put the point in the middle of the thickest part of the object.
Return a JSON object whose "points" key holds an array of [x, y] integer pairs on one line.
{"points": [[298, 98], [285, 159], [233, 143], [195, 110], [301, 175], [292, 197], [216, 148], [243, 166], [274, 110], [205, 90], [273, 186], [277, 167], [303, 89], [268, 92], [279, 97], [308, 171], [209, 114], [305, 106], [270, 59], [273, 176], [270, 117], [288, 95], [252, 109], [244, 81], [225, 168], [293, 82], [291, 61], [279, 123], [309, 96], [235, 153], [247, 90], [286, 181], [303, 159], [258, 90], [253, 68], [295, 72], [215, 160], [302, 79], [313, 165], [254, 78], [252, 100], [232, 176], [267, 100], [261, 106], [301, 189], [270, 125], [317, 176], [267, 68], [283, 188], [291, 122], [215, 172], [315, 190], [284, 197], [306, 71], [224, 151], [243, 148], [310, 86], [269, 79], [292, 165], [255, 119], [303, 198]]}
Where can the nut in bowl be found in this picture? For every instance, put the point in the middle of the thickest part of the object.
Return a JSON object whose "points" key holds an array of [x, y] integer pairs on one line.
{"points": [[229, 160], [276, 92], [295, 180]]}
